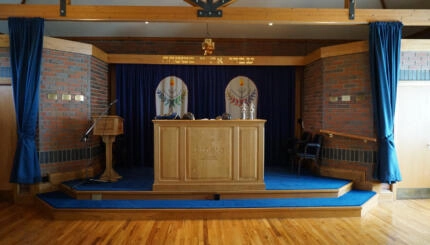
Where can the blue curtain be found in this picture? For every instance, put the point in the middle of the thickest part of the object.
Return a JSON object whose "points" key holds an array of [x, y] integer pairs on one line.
{"points": [[136, 86], [384, 53], [26, 43]]}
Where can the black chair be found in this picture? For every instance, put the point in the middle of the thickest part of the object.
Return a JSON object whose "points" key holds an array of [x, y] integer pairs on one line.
{"points": [[297, 146], [311, 151]]}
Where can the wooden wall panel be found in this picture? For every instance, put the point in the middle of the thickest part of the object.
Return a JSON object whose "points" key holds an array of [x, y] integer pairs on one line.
{"points": [[8, 135]]}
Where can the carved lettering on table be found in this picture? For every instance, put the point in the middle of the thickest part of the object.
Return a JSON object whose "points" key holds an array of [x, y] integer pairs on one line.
{"points": [[208, 152]]}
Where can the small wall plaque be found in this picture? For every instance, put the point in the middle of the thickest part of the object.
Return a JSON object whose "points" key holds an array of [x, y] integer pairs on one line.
{"points": [[52, 96], [346, 98], [333, 99], [66, 97], [79, 97]]}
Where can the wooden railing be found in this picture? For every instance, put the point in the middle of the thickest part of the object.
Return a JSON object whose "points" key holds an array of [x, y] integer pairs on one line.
{"points": [[351, 136]]}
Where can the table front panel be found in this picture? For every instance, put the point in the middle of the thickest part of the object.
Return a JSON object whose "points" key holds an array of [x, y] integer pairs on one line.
{"points": [[170, 154], [209, 153], [248, 153]]}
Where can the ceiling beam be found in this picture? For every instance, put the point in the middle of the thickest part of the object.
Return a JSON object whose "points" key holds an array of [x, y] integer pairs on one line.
{"points": [[209, 8], [210, 2], [409, 17]]}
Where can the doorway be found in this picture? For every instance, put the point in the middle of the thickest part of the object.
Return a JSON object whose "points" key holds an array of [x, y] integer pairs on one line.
{"points": [[412, 138]]}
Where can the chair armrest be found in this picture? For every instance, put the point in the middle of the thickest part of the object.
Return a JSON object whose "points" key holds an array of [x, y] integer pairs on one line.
{"points": [[312, 146], [299, 141]]}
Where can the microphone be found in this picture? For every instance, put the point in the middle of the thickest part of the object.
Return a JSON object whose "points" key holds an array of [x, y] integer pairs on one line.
{"points": [[113, 102], [84, 138]]}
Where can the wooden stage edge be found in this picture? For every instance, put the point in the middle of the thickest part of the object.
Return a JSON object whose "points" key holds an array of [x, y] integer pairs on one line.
{"points": [[202, 195], [229, 213], [209, 213]]}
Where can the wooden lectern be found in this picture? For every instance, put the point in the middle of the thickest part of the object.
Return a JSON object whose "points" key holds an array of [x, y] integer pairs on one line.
{"points": [[109, 127]]}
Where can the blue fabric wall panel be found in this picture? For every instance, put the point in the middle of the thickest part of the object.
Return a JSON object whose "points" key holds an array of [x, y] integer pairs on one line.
{"points": [[136, 86]]}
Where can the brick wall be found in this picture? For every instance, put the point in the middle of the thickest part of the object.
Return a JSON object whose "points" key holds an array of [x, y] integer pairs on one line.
{"points": [[5, 71], [338, 98], [73, 90], [347, 95], [313, 96], [62, 118], [99, 86]]}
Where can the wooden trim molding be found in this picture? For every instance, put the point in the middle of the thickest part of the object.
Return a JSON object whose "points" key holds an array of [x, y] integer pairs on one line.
{"points": [[205, 60], [5, 81], [74, 47], [415, 45], [64, 45], [67, 46], [319, 16], [324, 52], [337, 50], [357, 176]]}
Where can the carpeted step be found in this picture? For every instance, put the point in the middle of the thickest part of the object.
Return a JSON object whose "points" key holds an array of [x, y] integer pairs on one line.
{"points": [[353, 204]]}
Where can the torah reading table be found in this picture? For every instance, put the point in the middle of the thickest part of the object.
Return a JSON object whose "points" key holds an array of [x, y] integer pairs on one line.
{"points": [[208, 155]]}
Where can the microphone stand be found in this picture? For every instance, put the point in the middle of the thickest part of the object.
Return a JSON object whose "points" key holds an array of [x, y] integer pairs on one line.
{"points": [[84, 139], [87, 133]]}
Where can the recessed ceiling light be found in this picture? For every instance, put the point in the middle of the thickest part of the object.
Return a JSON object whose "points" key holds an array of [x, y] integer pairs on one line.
{"points": [[270, 24], [146, 22]]}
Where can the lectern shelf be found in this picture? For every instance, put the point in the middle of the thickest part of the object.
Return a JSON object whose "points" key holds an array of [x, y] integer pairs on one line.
{"points": [[109, 127]]}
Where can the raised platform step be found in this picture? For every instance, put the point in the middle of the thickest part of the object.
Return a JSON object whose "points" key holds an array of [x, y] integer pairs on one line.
{"points": [[160, 195], [352, 204], [286, 195], [137, 184]]}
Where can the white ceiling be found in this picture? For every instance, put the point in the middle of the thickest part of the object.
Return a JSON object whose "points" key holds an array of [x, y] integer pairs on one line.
{"points": [[222, 30]]}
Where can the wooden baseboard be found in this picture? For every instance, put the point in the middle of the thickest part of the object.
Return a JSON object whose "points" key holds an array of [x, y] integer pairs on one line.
{"points": [[384, 190], [25, 193], [386, 196], [385, 193], [413, 193], [357, 176], [6, 195], [58, 178], [46, 187], [234, 213]]}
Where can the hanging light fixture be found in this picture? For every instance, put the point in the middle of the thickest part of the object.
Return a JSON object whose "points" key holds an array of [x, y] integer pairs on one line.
{"points": [[208, 46]]}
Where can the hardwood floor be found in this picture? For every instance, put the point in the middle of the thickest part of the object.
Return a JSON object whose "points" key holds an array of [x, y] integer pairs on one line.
{"points": [[399, 222]]}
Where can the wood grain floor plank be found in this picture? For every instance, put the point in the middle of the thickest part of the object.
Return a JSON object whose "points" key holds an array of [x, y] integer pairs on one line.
{"points": [[399, 222]]}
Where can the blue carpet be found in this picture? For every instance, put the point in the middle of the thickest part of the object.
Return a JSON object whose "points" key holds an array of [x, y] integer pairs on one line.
{"points": [[133, 179], [61, 200], [141, 179]]}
